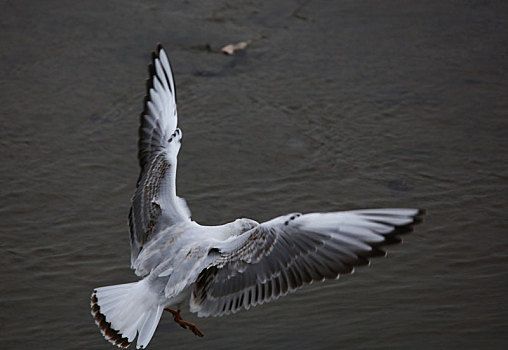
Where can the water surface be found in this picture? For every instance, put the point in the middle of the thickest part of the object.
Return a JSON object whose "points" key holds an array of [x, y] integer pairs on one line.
{"points": [[335, 105]]}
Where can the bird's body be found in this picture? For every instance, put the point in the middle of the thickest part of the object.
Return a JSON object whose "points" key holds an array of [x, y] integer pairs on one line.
{"points": [[221, 269]]}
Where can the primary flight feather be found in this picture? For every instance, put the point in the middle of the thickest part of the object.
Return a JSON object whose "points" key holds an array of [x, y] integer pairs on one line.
{"points": [[220, 269]]}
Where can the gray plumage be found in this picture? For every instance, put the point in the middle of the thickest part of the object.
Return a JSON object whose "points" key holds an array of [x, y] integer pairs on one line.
{"points": [[221, 269]]}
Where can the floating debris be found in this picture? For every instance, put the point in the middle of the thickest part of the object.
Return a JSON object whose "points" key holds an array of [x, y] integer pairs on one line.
{"points": [[231, 48]]}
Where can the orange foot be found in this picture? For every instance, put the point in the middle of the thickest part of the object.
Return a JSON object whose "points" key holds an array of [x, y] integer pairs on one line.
{"points": [[178, 319]]}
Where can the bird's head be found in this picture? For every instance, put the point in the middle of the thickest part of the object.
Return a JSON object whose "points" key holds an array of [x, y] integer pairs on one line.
{"points": [[244, 225]]}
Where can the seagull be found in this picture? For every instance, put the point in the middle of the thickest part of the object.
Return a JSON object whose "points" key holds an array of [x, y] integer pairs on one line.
{"points": [[221, 269]]}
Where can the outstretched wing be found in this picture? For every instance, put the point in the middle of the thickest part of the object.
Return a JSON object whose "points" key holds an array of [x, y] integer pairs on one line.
{"points": [[155, 203], [290, 251]]}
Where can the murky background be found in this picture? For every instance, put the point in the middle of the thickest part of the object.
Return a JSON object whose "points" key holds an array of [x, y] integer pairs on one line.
{"points": [[334, 105]]}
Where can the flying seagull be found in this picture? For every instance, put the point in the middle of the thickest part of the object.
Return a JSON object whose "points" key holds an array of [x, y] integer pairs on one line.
{"points": [[221, 269]]}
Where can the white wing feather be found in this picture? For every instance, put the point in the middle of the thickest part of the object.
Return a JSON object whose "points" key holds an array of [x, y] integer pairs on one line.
{"points": [[155, 204], [290, 251]]}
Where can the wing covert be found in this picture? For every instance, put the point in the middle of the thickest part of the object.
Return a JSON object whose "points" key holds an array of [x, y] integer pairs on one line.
{"points": [[155, 204], [288, 252]]}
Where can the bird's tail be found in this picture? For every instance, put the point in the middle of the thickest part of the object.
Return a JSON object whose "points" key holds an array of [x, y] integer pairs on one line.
{"points": [[124, 310]]}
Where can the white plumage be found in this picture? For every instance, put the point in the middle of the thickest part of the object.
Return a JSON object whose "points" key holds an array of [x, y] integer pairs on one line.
{"points": [[221, 269]]}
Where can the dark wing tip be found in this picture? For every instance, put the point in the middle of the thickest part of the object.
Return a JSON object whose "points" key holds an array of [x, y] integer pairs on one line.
{"points": [[418, 218], [394, 236], [148, 86]]}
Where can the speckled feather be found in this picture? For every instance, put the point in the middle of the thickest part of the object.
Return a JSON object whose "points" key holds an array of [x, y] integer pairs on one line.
{"points": [[221, 269]]}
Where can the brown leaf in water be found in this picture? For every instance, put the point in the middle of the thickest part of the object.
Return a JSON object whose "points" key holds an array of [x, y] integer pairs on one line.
{"points": [[231, 48]]}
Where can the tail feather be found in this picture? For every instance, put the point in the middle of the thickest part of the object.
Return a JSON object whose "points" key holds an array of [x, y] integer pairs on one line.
{"points": [[148, 328], [113, 336], [124, 311]]}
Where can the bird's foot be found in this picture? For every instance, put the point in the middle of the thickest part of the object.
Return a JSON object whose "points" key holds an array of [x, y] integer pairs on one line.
{"points": [[187, 325]]}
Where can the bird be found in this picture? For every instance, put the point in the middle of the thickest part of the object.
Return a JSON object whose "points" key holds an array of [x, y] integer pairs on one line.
{"points": [[219, 270]]}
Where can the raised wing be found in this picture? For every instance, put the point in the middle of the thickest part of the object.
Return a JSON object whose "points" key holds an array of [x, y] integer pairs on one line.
{"points": [[155, 204], [290, 251]]}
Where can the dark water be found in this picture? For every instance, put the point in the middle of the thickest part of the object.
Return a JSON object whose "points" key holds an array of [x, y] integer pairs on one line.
{"points": [[335, 105]]}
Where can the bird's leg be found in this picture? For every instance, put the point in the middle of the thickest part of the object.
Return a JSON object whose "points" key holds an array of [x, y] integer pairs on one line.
{"points": [[178, 319]]}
